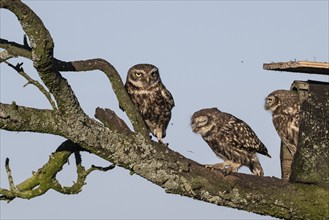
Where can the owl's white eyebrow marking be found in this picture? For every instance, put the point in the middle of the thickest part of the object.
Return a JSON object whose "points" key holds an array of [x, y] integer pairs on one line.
{"points": [[139, 71], [154, 70]]}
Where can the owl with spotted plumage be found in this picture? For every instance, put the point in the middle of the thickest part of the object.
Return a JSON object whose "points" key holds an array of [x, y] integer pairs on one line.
{"points": [[285, 108], [231, 139], [151, 98]]}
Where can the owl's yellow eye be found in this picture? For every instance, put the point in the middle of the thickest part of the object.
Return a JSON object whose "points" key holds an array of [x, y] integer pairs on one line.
{"points": [[270, 99], [138, 74]]}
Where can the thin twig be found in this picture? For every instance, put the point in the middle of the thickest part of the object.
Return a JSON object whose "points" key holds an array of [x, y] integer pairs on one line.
{"points": [[104, 169], [20, 70], [10, 177]]}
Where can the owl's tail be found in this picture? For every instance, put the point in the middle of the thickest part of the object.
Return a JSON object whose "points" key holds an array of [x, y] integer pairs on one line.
{"points": [[255, 167]]}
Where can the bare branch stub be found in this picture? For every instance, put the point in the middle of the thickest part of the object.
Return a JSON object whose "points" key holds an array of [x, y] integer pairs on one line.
{"points": [[111, 120], [10, 177]]}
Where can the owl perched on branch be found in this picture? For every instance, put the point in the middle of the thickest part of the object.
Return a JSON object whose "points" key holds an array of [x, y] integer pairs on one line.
{"points": [[231, 139], [153, 101], [285, 108]]}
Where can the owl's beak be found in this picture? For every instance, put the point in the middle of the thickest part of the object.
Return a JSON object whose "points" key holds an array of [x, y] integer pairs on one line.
{"points": [[266, 106], [148, 80]]}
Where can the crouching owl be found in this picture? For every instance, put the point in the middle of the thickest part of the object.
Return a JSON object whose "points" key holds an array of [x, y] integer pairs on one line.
{"points": [[231, 139], [285, 108], [153, 101]]}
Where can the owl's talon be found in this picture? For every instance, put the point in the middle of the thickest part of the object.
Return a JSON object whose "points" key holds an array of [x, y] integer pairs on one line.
{"points": [[161, 142], [209, 166], [217, 166], [226, 167], [227, 170]]}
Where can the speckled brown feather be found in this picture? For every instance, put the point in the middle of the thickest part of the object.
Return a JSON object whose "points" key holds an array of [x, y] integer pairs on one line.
{"points": [[151, 97], [285, 108], [230, 138]]}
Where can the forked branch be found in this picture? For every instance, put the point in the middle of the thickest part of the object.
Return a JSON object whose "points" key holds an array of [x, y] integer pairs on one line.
{"points": [[90, 65], [45, 178]]}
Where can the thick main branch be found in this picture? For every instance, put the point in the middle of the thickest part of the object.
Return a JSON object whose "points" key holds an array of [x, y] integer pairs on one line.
{"points": [[20, 118], [42, 56]]}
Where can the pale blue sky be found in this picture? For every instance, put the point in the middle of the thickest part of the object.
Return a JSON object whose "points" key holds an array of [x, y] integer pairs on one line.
{"points": [[210, 54]]}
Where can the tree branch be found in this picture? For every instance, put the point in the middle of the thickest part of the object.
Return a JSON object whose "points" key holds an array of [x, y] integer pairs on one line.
{"points": [[45, 178], [10, 177], [4, 55], [42, 56], [20, 118], [111, 120], [179, 175], [117, 85], [94, 64], [89, 65], [21, 72], [16, 49], [40, 182]]}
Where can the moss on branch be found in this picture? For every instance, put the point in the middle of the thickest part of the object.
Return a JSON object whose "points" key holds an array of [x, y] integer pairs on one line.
{"points": [[45, 178]]}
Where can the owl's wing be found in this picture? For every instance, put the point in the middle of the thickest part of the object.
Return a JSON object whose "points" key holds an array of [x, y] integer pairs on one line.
{"points": [[287, 126], [244, 137], [168, 97]]}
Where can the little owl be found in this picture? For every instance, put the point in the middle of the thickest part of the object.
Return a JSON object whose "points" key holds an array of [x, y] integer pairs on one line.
{"points": [[153, 101], [231, 139], [285, 108]]}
